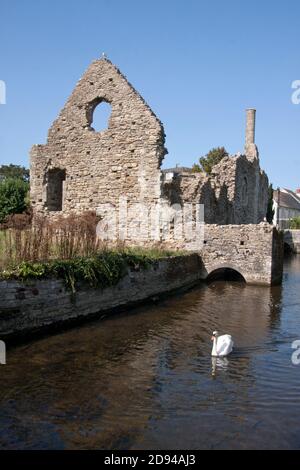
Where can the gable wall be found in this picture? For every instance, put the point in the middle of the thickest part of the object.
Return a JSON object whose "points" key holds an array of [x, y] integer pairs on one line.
{"points": [[100, 167]]}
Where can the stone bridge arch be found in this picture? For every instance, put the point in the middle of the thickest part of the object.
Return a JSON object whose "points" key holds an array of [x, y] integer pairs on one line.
{"points": [[253, 250], [226, 271]]}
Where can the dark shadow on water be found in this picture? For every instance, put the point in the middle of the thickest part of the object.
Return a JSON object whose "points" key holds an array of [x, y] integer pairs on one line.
{"points": [[288, 251], [145, 378], [225, 274]]}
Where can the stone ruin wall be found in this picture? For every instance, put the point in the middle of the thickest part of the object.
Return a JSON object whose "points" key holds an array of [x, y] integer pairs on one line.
{"points": [[253, 250], [80, 169], [98, 167], [236, 192]]}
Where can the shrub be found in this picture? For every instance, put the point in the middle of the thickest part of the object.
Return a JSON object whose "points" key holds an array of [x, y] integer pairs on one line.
{"points": [[66, 238], [12, 197], [294, 223], [270, 210], [68, 249], [15, 172], [212, 158], [101, 270]]}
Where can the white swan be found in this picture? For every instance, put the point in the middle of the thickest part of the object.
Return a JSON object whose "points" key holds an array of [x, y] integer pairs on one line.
{"points": [[222, 345]]}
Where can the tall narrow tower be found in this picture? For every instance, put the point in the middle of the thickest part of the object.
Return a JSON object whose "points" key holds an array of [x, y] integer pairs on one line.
{"points": [[250, 147]]}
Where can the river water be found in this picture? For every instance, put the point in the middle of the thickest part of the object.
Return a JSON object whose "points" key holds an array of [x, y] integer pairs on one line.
{"points": [[146, 380]]}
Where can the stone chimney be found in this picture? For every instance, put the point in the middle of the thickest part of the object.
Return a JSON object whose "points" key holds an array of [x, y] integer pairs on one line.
{"points": [[250, 147]]}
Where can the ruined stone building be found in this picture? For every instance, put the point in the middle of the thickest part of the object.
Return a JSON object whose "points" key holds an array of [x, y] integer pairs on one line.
{"points": [[80, 169]]}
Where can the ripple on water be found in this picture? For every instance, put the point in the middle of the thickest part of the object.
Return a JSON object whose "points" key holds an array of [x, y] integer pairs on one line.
{"points": [[146, 379]]}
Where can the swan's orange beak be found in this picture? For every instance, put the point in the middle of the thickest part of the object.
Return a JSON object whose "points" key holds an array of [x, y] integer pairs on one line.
{"points": [[212, 338]]}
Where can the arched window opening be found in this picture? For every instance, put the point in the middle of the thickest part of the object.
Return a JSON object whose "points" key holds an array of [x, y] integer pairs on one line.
{"points": [[55, 189], [225, 274], [100, 116]]}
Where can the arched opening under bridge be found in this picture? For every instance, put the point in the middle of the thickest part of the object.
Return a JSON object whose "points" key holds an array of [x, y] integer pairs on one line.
{"points": [[225, 274], [288, 249]]}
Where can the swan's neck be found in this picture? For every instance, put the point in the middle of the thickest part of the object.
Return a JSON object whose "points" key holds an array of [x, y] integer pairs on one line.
{"points": [[214, 348]]}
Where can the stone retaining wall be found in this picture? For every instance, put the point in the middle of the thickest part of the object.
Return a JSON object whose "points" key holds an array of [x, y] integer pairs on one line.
{"points": [[255, 251], [35, 305]]}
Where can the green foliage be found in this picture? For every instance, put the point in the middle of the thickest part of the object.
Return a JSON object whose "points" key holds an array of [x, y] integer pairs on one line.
{"points": [[101, 270], [294, 223], [13, 193], [196, 168], [212, 158], [27, 270], [15, 172], [270, 211]]}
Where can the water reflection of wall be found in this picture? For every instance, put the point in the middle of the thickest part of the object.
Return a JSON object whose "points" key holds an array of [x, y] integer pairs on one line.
{"points": [[105, 384]]}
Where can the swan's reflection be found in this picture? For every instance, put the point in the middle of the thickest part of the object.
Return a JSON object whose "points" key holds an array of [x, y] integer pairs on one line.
{"points": [[220, 363]]}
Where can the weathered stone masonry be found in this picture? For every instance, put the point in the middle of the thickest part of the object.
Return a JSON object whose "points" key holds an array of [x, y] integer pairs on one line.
{"points": [[255, 251], [80, 169], [235, 193], [35, 305]]}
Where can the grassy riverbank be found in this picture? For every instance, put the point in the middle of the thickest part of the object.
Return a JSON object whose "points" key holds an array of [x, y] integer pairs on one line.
{"points": [[69, 249], [103, 269]]}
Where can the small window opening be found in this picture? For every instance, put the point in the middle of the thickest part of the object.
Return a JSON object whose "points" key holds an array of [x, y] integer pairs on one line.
{"points": [[100, 116], [55, 189]]}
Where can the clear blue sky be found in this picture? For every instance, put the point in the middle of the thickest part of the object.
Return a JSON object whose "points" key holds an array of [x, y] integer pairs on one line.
{"points": [[197, 63]]}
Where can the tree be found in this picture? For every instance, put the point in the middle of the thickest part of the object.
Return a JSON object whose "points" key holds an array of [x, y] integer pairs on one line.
{"points": [[294, 223], [13, 193], [212, 158], [14, 171], [270, 210]]}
